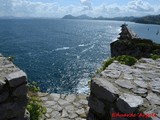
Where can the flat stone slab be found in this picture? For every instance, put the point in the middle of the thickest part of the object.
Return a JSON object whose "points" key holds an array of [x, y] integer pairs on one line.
{"points": [[104, 89], [153, 98], [16, 78], [125, 84], [128, 103]]}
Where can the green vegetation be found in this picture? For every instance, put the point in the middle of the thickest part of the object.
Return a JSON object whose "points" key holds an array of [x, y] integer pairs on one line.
{"points": [[154, 56], [127, 60], [11, 58], [124, 59], [35, 104]]}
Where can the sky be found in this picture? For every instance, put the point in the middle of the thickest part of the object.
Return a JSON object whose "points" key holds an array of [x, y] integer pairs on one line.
{"points": [[93, 8]]}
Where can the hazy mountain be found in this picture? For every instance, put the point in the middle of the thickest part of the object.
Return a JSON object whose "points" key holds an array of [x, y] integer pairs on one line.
{"points": [[76, 17], [151, 19]]}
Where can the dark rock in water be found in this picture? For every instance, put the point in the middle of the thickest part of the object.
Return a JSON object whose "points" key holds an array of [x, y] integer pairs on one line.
{"points": [[136, 47], [130, 44]]}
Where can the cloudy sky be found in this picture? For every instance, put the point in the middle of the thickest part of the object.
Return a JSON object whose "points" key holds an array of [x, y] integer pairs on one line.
{"points": [[94, 8]]}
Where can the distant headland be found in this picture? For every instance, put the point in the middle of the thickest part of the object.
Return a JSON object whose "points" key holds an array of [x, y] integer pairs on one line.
{"points": [[150, 19]]}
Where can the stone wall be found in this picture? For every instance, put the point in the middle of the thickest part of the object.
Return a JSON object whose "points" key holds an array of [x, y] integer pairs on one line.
{"points": [[13, 91], [122, 92]]}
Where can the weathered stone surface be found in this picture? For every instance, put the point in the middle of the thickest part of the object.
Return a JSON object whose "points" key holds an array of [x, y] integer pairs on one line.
{"points": [[103, 89], [81, 113], [155, 86], [111, 73], [2, 83], [16, 78], [63, 102], [128, 103], [20, 91], [96, 105], [13, 93], [128, 76], [64, 113], [153, 98], [55, 96], [70, 98], [141, 83], [125, 84], [50, 103], [4, 96], [139, 90]]}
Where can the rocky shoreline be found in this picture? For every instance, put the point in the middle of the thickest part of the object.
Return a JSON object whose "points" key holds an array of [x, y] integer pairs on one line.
{"points": [[120, 92]]}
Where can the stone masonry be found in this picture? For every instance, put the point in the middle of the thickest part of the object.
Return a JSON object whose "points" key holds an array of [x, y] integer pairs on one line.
{"points": [[65, 107], [124, 92], [13, 91]]}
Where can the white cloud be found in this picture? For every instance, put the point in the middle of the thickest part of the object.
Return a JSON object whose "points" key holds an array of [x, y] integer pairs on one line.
{"points": [[86, 3], [26, 8], [141, 6]]}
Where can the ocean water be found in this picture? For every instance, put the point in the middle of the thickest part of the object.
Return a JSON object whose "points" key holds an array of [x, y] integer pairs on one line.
{"points": [[62, 55]]}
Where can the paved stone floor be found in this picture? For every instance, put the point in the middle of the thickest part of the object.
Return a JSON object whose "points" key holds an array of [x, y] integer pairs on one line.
{"points": [[65, 107]]}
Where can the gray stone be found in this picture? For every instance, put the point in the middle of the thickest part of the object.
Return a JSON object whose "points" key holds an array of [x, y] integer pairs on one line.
{"points": [[63, 102], [128, 76], [55, 114], [125, 84], [81, 113], [73, 115], [11, 65], [128, 103], [4, 96], [16, 78], [103, 89], [139, 90], [141, 83], [147, 60], [83, 102], [153, 99], [57, 107], [70, 98], [96, 105], [49, 110], [55, 96], [2, 83], [20, 91], [69, 108], [111, 73], [50, 103], [155, 86], [64, 113]]}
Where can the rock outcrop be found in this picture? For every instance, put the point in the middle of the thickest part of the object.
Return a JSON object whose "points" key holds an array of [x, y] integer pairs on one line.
{"points": [[13, 91], [129, 44], [122, 92]]}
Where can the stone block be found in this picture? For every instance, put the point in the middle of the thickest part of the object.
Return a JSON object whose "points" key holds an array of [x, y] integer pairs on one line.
{"points": [[128, 103], [103, 89], [20, 91], [2, 83], [16, 78], [96, 105], [4, 96]]}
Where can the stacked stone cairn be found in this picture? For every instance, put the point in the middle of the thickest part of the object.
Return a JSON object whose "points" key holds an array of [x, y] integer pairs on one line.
{"points": [[13, 91]]}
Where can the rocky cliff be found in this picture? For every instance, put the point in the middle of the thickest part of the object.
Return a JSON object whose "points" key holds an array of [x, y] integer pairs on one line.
{"points": [[13, 91], [129, 44]]}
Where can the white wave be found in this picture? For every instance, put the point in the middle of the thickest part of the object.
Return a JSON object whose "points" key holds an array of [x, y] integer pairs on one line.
{"points": [[63, 48], [81, 45], [88, 48], [83, 86]]}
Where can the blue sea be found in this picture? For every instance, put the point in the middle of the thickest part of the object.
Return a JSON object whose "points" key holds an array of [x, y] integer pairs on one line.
{"points": [[62, 55]]}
